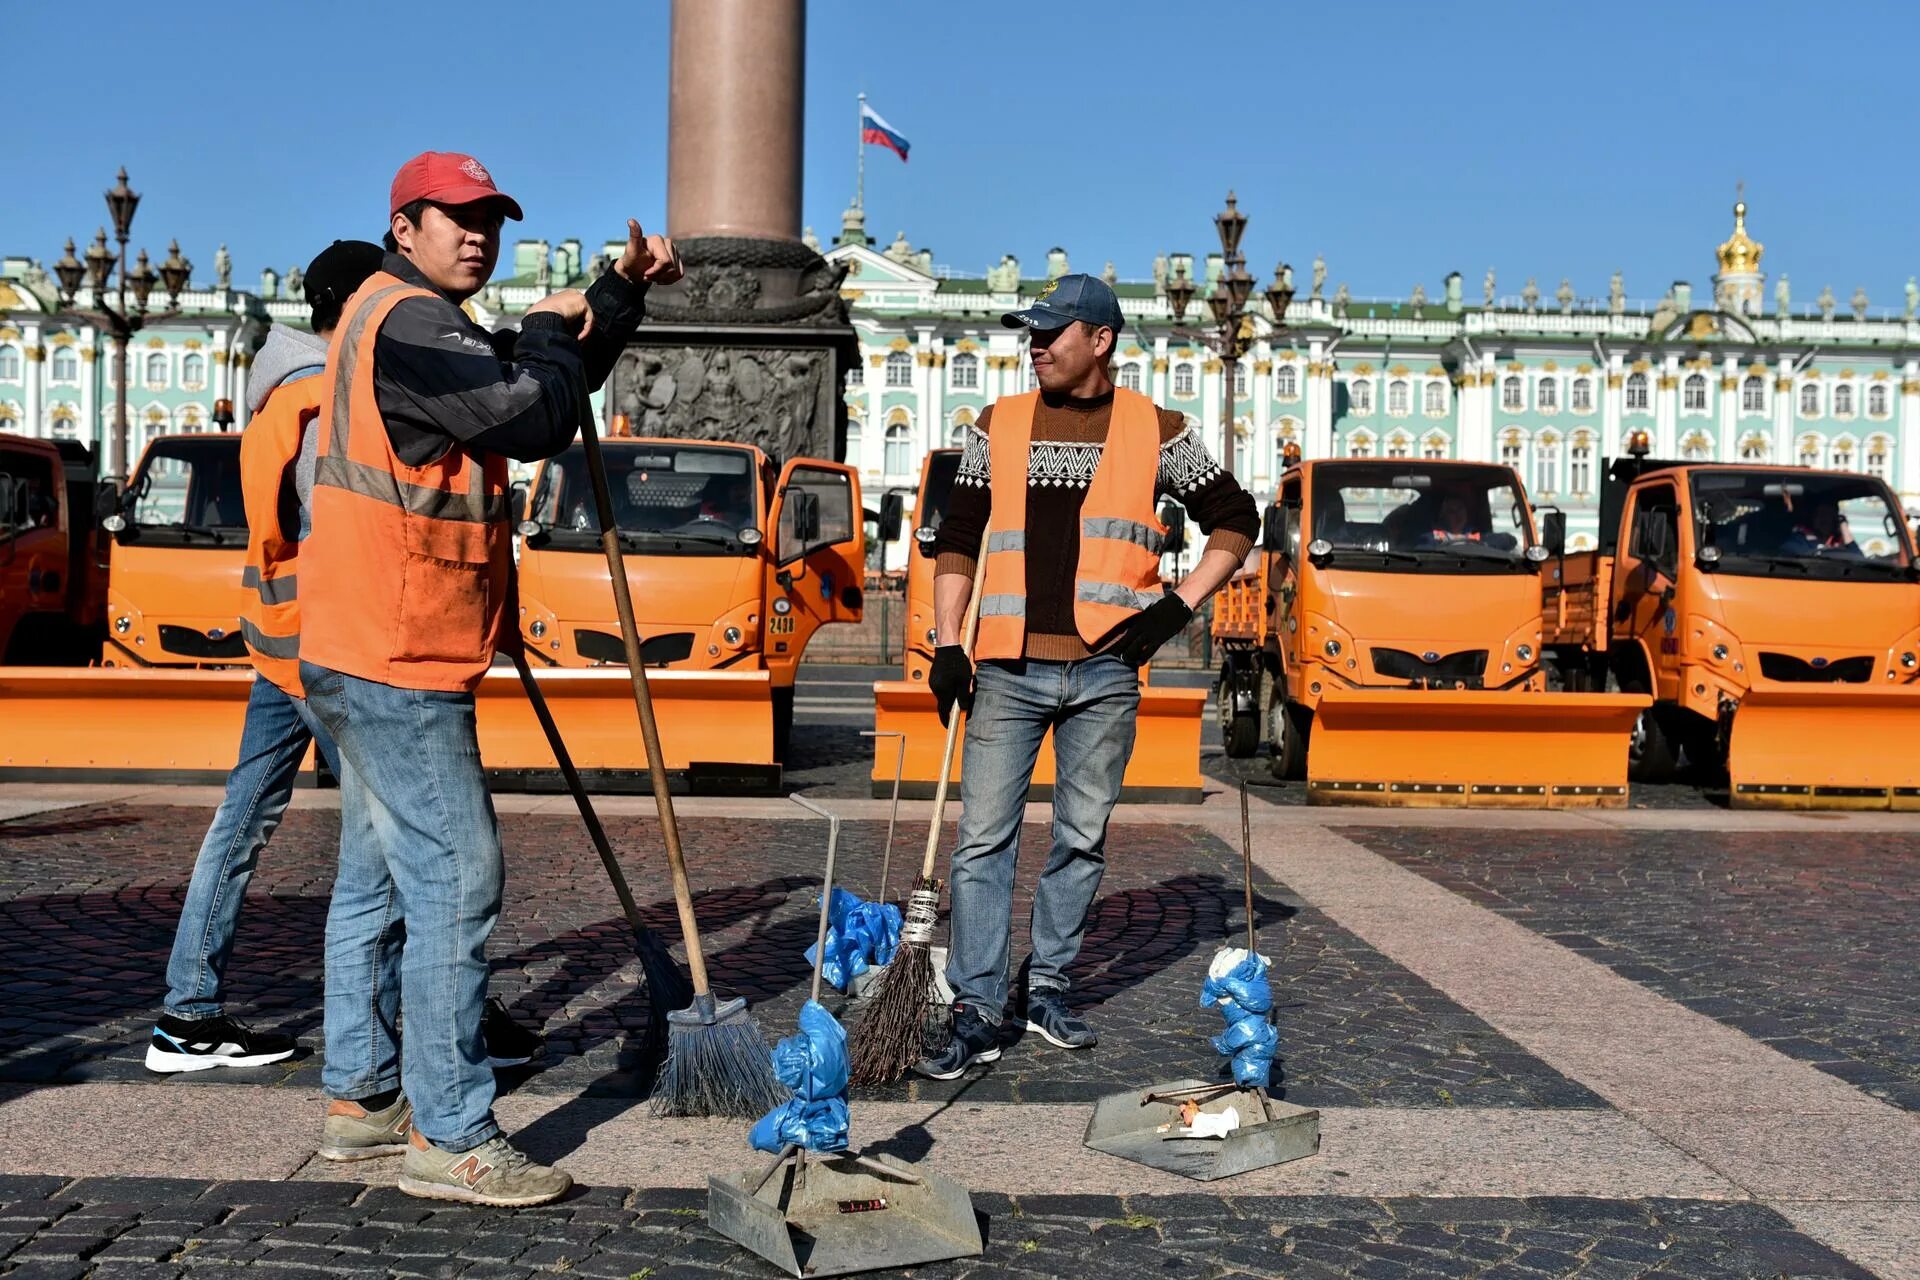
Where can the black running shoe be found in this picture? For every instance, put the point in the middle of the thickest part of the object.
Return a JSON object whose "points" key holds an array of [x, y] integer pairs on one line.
{"points": [[195, 1044], [1047, 1014], [974, 1040], [508, 1043]]}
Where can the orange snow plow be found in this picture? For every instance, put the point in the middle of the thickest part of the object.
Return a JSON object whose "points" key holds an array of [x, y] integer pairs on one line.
{"points": [[1825, 747]]}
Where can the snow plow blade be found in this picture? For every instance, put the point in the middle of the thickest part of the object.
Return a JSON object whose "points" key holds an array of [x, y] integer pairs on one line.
{"points": [[100, 724], [1471, 748], [1165, 768], [1829, 746]]}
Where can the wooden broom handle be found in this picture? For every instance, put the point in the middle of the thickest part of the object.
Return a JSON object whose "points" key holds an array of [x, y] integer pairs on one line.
{"points": [[643, 703], [968, 630]]}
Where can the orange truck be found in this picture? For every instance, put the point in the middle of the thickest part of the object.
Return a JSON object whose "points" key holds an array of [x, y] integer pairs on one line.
{"points": [[734, 565], [1771, 613], [1165, 765], [1386, 639], [52, 575]]}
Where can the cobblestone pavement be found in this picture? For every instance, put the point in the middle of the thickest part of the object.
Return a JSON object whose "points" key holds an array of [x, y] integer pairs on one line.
{"points": [[89, 899], [1804, 941], [154, 1227]]}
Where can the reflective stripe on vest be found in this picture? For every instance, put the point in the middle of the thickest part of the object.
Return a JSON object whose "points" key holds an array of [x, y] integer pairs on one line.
{"points": [[1117, 573], [269, 453], [286, 648], [383, 486], [270, 590]]}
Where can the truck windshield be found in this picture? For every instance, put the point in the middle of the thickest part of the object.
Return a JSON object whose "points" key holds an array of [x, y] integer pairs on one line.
{"points": [[1414, 517], [188, 490], [1803, 523], [670, 498]]}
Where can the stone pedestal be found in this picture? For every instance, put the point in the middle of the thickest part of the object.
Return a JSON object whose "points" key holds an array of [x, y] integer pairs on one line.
{"points": [[754, 343]]}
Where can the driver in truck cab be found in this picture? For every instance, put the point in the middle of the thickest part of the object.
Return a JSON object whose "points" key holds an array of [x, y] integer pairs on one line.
{"points": [[1822, 531], [1453, 522]]}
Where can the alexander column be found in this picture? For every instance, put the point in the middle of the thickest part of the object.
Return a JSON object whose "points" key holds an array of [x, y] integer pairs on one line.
{"points": [[753, 343]]}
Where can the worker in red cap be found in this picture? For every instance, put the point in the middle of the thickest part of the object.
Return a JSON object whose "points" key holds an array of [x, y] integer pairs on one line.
{"points": [[405, 597]]}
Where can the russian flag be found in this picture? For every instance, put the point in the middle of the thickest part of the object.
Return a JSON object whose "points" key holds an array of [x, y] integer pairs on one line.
{"points": [[877, 132]]}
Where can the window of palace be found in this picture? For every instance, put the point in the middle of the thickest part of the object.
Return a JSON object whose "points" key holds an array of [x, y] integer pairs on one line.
{"points": [[1636, 392], [1435, 448], [1397, 402], [1130, 375], [1809, 455], [1696, 448], [193, 372], [66, 365], [1240, 380], [1877, 457], [966, 372], [1183, 379], [1755, 449], [1843, 400], [1546, 395], [1843, 454], [1694, 393], [1546, 466], [1436, 394], [1753, 395], [856, 375], [1877, 400], [1360, 446], [1810, 400], [899, 454], [1580, 469], [956, 435], [9, 364], [1512, 453], [1286, 383], [156, 370], [1582, 397], [1240, 459], [1360, 395], [899, 369], [1512, 393], [1398, 446]]}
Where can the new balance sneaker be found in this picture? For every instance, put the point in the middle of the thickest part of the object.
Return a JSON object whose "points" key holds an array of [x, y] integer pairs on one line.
{"points": [[195, 1044], [351, 1132], [974, 1040], [508, 1043], [1047, 1013], [493, 1173]]}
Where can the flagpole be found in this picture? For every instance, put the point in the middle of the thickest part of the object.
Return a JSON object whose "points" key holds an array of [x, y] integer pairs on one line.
{"points": [[860, 140]]}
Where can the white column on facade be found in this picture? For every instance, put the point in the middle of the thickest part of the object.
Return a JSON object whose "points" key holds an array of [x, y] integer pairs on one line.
{"points": [[1729, 408], [1613, 395], [1784, 451], [1261, 448], [1158, 382], [221, 353], [1666, 406], [87, 429], [873, 440], [933, 396], [1318, 394], [241, 360], [33, 376], [1908, 445]]}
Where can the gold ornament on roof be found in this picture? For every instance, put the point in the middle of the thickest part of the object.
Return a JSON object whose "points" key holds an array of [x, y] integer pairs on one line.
{"points": [[1740, 255]]}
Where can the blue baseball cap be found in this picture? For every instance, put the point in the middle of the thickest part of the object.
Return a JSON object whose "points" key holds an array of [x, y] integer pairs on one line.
{"points": [[1070, 298]]}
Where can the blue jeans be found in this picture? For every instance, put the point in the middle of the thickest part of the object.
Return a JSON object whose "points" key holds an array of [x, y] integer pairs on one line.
{"points": [[1091, 706], [413, 905], [272, 742]]}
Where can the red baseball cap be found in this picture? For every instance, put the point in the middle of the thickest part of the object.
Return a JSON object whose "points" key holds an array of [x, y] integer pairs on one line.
{"points": [[447, 177]]}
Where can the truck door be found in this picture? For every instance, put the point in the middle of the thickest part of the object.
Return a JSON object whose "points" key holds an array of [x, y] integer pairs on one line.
{"points": [[819, 555], [1646, 576], [1282, 550], [33, 541]]}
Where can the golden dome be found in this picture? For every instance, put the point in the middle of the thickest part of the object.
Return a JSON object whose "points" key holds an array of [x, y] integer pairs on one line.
{"points": [[1740, 255]]}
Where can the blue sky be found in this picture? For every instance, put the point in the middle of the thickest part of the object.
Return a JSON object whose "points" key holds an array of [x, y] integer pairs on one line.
{"points": [[1400, 140]]}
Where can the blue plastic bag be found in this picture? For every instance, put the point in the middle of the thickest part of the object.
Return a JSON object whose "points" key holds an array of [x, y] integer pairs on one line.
{"points": [[813, 1064], [860, 935], [1237, 986]]}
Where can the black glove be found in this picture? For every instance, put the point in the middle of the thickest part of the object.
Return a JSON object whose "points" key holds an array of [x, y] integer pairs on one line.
{"points": [[1142, 636], [951, 679]]}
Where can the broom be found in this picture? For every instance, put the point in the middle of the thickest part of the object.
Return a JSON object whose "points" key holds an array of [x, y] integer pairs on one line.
{"points": [[667, 987], [893, 1034], [717, 1059]]}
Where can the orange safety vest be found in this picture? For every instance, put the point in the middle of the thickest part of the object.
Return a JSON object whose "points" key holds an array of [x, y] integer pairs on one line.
{"points": [[269, 449], [1118, 572], [405, 572]]}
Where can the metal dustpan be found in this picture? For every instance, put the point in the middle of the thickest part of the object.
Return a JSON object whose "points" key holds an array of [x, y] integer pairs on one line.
{"points": [[830, 1215], [1146, 1126]]}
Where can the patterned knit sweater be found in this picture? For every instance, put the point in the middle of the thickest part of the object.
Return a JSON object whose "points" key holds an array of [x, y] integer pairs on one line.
{"points": [[1068, 436]]}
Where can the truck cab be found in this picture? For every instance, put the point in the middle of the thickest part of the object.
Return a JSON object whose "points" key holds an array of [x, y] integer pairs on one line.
{"points": [[52, 579], [733, 563], [174, 594]]}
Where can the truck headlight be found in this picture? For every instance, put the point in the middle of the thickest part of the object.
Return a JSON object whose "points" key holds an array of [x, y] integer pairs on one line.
{"points": [[1524, 652], [1907, 660], [124, 624], [782, 606], [1333, 648], [538, 630], [731, 635], [1720, 653]]}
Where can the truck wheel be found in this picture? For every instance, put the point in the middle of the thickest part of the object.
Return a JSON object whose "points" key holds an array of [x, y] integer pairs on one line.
{"points": [[1239, 730], [1651, 756], [1287, 738], [782, 723]]}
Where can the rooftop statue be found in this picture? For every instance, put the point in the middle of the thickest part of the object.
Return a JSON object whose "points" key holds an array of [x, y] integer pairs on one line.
{"points": [[1319, 274], [1616, 295]]}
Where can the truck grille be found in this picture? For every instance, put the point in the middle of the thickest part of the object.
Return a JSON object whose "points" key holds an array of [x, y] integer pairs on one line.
{"points": [[655, 651], [1466, 667], [189, 643], [1788, 669]]}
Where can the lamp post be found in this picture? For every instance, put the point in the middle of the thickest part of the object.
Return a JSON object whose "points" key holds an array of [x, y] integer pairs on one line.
{"points": [[1232, 334], [119, 320]]}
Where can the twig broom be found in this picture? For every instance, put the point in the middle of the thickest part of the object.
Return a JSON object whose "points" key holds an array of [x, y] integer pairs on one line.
{"points": [[717, 1063], [893, 1034]]}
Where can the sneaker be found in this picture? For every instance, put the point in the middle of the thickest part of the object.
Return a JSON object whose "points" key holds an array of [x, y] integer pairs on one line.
{"points": [[508, 1043], [493, 1173], [195, 1044], [974, 1040], [1047, 1013], [352, 1132]]}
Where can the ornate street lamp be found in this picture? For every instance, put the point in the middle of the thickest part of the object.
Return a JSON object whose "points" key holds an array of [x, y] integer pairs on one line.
{"points": [[120, 320]]}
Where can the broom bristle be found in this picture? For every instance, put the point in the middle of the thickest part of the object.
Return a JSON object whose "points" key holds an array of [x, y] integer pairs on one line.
{"points": [[717, 1069], [668, 988], [891, 1035]]}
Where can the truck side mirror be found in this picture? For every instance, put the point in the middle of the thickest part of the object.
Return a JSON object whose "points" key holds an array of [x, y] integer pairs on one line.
{"points": [[517, 502], [1650, 536], [1174, 516], [1553, 532], [804, 508], [1273, 528], [7, 521], [106, 501], [893, 514]]}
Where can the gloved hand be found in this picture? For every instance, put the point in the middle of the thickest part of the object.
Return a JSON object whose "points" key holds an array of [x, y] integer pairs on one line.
{"points": [[1142, 636], [951, 679]]}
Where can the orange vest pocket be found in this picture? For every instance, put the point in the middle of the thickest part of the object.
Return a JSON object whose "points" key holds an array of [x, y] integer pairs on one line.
{"points": [[443, 611]]}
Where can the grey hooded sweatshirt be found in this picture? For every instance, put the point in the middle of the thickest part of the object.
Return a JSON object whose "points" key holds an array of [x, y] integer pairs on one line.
{"points": [[287, 356]]}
